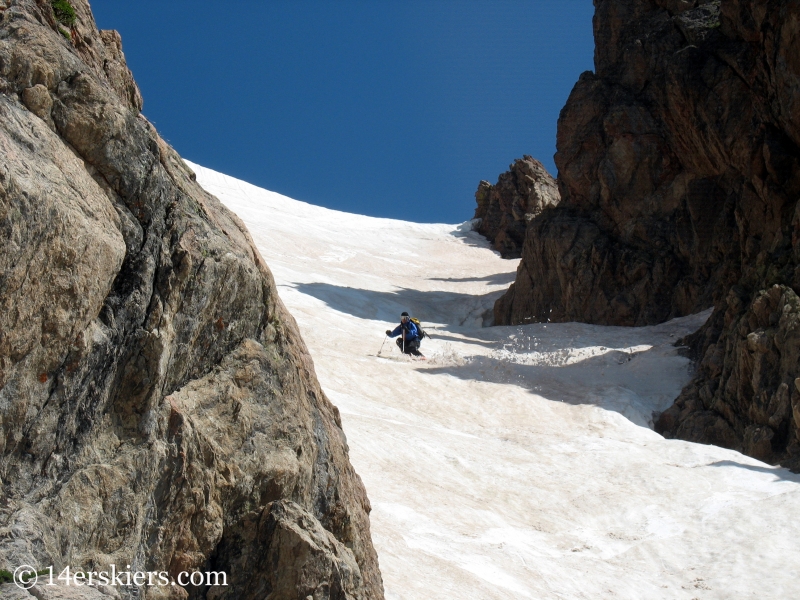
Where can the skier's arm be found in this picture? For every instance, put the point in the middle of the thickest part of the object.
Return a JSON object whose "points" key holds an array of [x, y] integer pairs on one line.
{"points": [[395, 332]]}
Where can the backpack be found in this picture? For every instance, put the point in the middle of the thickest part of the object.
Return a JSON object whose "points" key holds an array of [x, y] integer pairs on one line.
{"points": [[422, 333]]}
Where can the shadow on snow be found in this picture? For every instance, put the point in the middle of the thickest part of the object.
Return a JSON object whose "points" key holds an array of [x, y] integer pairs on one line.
{"points": [[494, 279], [452, 309], [778, 472], [618, 381]]}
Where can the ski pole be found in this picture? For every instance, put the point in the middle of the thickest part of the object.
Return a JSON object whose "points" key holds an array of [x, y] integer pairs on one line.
{"points": [[384, 341]]}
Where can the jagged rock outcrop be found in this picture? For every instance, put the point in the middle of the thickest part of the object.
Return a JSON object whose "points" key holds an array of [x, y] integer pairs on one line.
{"points": [[746, 394], [155, 394], [506, 208], [679, 172]]}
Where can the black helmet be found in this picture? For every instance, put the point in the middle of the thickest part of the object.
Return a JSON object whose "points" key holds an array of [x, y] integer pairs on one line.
{"points": [[404, 314]]}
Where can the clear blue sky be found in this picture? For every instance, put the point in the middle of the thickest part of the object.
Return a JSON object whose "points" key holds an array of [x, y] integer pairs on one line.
{"points": [[393, 109]]}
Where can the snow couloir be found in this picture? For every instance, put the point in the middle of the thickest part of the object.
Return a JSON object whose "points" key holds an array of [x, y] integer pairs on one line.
{"points": [[517, 462]]}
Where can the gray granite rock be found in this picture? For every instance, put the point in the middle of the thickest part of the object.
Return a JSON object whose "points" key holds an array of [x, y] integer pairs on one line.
{"points": [[9, 591], [153, 388]]}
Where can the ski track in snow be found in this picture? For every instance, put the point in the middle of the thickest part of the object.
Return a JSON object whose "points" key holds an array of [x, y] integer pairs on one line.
{"points": [[516, 462]]}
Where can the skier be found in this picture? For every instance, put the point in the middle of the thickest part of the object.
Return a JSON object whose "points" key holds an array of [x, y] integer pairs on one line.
{"points": [[410, 337]]}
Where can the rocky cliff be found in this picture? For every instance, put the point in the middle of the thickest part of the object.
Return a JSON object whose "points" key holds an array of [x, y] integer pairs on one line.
{"points": [[679, 171], [158, 407], [506, 208]]}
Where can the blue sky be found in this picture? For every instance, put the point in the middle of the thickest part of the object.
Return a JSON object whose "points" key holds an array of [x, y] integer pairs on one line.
{"points": [[391, 109]]}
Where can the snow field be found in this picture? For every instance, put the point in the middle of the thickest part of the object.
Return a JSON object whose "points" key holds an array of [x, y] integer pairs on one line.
{"points": [[516, 462]]}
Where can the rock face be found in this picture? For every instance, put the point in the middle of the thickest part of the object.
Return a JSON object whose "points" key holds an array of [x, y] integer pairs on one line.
{"points": [[679, 172], [506, 208], [746, 394], [158, 407]]}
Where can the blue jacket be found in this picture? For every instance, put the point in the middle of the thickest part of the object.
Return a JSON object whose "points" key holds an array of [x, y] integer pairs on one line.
{"points": [[412, 333]]}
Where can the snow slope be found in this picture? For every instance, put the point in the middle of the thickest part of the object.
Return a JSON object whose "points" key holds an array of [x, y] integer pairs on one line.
{"points": [[516, 462]]}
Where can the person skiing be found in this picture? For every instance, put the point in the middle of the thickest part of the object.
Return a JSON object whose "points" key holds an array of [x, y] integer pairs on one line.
{"points": [[410, 339]]}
